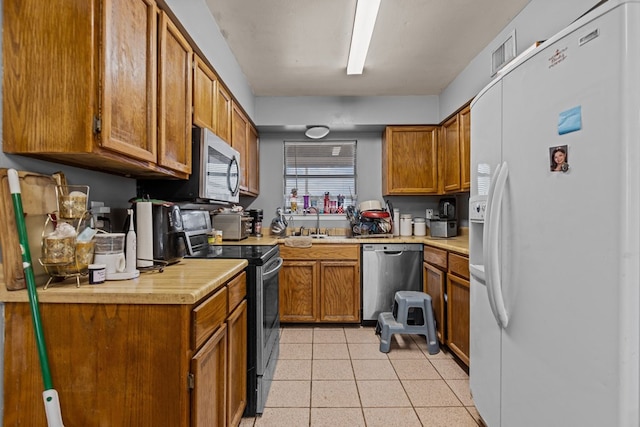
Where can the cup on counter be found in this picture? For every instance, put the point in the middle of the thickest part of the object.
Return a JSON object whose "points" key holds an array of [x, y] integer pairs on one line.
{"points": [[114, 263], [218, 237]]}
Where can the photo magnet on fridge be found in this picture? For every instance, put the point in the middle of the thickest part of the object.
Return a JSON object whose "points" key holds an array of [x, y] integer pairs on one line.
{"points": [[558, 158]]}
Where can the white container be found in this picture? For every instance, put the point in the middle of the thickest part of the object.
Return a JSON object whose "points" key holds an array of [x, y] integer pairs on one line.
{"points": [[419, 227], [396, 222], [405, 224]]}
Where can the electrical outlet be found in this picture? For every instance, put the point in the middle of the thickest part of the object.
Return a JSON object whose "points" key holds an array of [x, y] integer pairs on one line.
{"points": [[429, 213]]}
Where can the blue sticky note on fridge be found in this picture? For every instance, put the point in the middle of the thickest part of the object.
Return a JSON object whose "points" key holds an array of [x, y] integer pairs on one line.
{"points": [[570, 120]]}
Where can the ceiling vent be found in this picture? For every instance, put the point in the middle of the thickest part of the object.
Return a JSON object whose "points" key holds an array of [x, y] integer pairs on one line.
{"points": [[504, 53]]}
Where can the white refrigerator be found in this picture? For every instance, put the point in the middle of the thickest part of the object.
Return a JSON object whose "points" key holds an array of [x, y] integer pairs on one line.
{"points": [[555, 230]]}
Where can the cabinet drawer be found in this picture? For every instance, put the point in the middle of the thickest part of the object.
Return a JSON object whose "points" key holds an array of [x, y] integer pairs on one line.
{"points": [[459, 265], [208, 316], [435, 256], [237, 288], [321, 252]]}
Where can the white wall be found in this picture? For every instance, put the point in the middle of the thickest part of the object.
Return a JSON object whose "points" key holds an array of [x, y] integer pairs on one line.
{"points": [[345, 112], [196, 18], [538, 21]]}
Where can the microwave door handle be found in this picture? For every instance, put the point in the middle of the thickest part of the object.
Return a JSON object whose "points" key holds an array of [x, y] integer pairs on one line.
{"points": [[234, 167]]}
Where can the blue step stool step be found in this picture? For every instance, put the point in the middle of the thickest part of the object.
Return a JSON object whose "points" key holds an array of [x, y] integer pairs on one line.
{"points": [[412, 314]]}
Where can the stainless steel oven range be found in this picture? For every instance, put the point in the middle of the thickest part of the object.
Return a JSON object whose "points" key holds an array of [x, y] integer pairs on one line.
{"points": [[263, 317]]}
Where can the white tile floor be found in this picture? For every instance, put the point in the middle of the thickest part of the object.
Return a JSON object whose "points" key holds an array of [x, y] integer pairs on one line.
{"points": [[334, 376]]}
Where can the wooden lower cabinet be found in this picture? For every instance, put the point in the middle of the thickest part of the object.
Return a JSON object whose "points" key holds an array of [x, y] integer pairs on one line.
{"points": [[434, 285], [237, 364], [446, 280], [320, 284], [458, 297], [130, 364], [209, 369]]}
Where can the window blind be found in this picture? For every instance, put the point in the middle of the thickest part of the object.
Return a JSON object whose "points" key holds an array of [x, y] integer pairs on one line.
{"points": [[315, 168]]}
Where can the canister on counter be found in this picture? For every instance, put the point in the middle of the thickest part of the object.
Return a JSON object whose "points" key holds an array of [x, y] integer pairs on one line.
{"points": [[406, 221], [218, 239], [419, 227]]}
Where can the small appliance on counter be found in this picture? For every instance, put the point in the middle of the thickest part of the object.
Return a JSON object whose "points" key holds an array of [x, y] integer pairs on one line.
{"points": [[256, 224], [445, 225], [196, 225], [159, 232], [234, 225]]}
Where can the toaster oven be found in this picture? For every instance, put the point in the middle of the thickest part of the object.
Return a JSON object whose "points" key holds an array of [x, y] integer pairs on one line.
{"points": [[234, 226]]}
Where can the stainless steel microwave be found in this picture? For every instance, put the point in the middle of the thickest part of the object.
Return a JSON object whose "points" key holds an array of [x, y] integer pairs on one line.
{"points": [[215, 174]]}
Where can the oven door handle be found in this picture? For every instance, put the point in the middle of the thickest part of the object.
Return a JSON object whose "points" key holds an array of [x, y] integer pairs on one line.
{"points": [[270, 273]]}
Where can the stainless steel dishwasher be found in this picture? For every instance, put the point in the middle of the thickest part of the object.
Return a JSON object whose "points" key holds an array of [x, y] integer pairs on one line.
{"points": [[387, 268]]}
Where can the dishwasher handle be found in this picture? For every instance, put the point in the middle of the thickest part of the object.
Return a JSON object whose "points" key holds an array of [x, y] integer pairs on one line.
{"points": [[392, 253]]}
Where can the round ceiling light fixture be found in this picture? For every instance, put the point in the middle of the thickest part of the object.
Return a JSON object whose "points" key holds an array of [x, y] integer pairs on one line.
{"points": [[316, 132]]}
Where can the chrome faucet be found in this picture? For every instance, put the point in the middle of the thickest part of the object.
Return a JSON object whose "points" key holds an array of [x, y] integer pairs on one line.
{"points": [[317, 218]]}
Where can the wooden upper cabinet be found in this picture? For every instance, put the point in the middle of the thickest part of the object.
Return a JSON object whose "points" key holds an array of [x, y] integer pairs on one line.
{"points": [[175, 83], [465, 148], [204, 94], [130, 79], [223, 113], [253, 160], [410, 160], [239, 125], [450, 156], [455, 152], [81, 85]]}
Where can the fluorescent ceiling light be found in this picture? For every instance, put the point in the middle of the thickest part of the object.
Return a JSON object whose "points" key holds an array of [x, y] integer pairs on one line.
{"points": [[366, 14]]}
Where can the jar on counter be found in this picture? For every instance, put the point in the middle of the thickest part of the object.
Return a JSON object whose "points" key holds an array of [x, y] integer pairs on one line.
{"points": [[419, 227], [405, 224]]}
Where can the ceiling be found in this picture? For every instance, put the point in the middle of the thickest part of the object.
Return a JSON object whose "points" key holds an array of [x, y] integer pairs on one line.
{"points": [[300, 47]]}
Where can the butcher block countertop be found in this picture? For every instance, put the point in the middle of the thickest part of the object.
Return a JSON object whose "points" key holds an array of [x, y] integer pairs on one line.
{"points": [[186, 282], [459, 244]]}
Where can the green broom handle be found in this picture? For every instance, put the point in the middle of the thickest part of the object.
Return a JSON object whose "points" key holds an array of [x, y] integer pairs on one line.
{"points": [[31, 286]]}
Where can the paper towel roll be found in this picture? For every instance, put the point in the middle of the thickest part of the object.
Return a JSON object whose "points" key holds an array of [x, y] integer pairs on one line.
{"points": [[396, 222], [144, 232]]}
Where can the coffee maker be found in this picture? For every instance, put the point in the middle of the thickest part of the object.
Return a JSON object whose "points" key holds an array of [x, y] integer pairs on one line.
{"points": [[445, 225], [256, 224]]}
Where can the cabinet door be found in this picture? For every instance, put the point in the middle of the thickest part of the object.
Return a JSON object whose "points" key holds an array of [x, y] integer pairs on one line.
{"points": [[253, 161], [239, 124], [465, 148], [410, 160], [339, 291], [209, 367], [450, 156], [434, 285], [129, 108], [298, 282], [237, 364], [458, 316], [223, 113], [175, 80], [204, 92]]}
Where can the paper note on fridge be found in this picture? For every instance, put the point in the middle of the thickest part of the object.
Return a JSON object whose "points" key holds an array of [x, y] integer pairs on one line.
{"points": [[570, 120]]}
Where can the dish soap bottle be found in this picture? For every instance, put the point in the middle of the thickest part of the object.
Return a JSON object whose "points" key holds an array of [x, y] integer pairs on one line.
{"points": [[130, 255]]}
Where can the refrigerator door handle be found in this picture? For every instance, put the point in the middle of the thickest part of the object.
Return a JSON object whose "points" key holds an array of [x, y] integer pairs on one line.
{"points": [[487, 241], [496, 263]]}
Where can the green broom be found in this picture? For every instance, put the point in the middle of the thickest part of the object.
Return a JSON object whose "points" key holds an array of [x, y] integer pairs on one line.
{"points": [[50, 395]]}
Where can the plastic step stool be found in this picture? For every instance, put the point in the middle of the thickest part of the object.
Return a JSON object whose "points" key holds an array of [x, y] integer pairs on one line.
{"points": [[412, 314]]}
